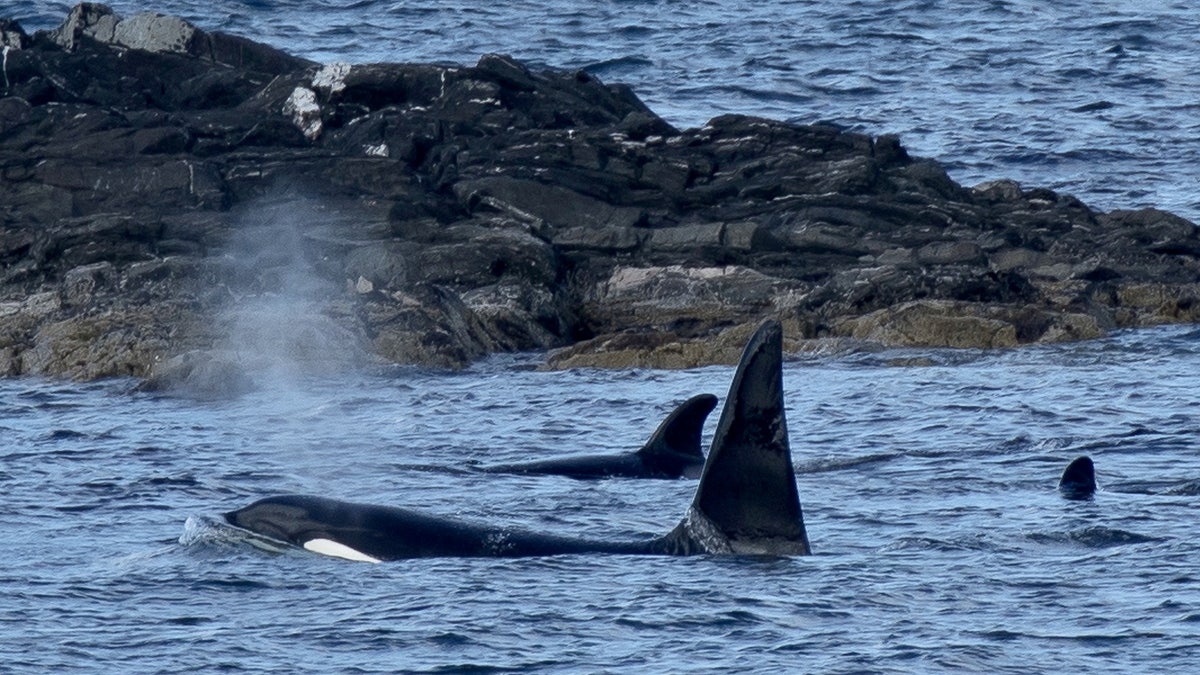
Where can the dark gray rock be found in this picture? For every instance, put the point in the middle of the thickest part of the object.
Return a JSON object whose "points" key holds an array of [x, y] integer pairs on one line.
{"points": [[161, 185]]}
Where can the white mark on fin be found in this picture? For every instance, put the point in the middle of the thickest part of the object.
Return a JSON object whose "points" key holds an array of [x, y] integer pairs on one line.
{"points": [[332, 548]]}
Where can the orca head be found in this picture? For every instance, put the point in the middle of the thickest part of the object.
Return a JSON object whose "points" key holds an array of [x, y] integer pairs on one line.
{"points": [[747, 500], [674, 448], [311, 523], [1078, 479], [281, 517]]}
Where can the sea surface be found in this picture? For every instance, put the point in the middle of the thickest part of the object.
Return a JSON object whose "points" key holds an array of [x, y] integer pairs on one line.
{"points": [[927, 476], [1095, 98]]}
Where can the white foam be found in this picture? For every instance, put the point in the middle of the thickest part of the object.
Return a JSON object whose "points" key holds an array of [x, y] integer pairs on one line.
{"points": [[336, 550]]}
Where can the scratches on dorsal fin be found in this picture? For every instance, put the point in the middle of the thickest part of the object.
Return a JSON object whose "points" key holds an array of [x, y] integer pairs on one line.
{"points": [[748, 488]]}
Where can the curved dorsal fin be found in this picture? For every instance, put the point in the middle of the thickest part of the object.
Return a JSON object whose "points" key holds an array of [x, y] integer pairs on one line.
{"points": [[1078, 479], [748, 488], [677, 439]]}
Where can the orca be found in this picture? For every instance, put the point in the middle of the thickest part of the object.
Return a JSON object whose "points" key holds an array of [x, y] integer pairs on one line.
{"points": [[746, 501], [1078, 479], [1079, 482], [673, 451]]}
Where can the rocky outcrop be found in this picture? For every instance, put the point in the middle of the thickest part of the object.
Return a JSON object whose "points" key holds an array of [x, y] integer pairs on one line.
{"points": [[168, 193]]}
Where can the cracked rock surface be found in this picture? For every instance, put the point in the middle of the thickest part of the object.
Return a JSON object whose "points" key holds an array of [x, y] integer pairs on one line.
{"points": [[177, 203]]}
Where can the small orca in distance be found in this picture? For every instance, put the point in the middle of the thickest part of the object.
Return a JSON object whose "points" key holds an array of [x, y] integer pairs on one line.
{"points": [[1078, 479], [673, 451], [1079, 482], [746, 501]]}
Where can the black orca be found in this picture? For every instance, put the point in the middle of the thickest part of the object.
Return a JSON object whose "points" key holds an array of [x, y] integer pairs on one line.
{"points": [[1079, 482], [746, 501], [1078, 479], [673, 451]]}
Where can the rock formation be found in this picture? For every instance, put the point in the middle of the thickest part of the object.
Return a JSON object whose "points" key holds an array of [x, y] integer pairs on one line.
{"points": [[176, 201]]}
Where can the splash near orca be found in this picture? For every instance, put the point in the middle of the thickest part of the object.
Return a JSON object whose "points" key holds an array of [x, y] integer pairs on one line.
{"points": [[746, 501], [673, 451], [1078, 479]]}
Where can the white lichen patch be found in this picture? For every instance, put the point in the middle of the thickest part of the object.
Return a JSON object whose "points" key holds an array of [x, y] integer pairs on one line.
{"points": [[380, 150], [627, 278], [331, 78], [36, 305], [302, 107]]}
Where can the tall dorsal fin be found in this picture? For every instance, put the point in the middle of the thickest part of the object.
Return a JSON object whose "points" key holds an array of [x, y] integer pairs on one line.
{"points": [[1078, 479], [677, 439], [748, 488]]}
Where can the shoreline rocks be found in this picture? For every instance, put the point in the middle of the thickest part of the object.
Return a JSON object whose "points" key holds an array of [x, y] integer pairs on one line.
{"points": [[157, 179]]}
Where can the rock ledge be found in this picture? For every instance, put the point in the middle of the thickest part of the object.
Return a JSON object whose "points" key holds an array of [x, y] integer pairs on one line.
{"points": [[178, 201]]}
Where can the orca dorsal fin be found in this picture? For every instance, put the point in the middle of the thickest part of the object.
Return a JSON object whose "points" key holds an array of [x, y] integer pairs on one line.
{"points": [[1078, 479], [747, 494], [676, 442]]}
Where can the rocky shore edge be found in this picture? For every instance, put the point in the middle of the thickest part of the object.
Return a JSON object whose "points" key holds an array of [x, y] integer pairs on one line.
{"points": [[188, 206]]}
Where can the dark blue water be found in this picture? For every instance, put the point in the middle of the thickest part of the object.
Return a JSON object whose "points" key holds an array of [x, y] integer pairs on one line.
{"points": [[927, 478], [1096, 99]]}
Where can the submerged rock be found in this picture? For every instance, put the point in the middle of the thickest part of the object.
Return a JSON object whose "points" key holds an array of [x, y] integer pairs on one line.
{"points": [[156, 179]]}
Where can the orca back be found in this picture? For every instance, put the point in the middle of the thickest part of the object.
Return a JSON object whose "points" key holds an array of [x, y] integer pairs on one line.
{"points": [[369, 532], [673, 451]]}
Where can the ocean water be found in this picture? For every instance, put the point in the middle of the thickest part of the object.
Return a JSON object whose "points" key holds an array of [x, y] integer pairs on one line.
{"points": [[928, 480], [927, 476], [1094, 98]]}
